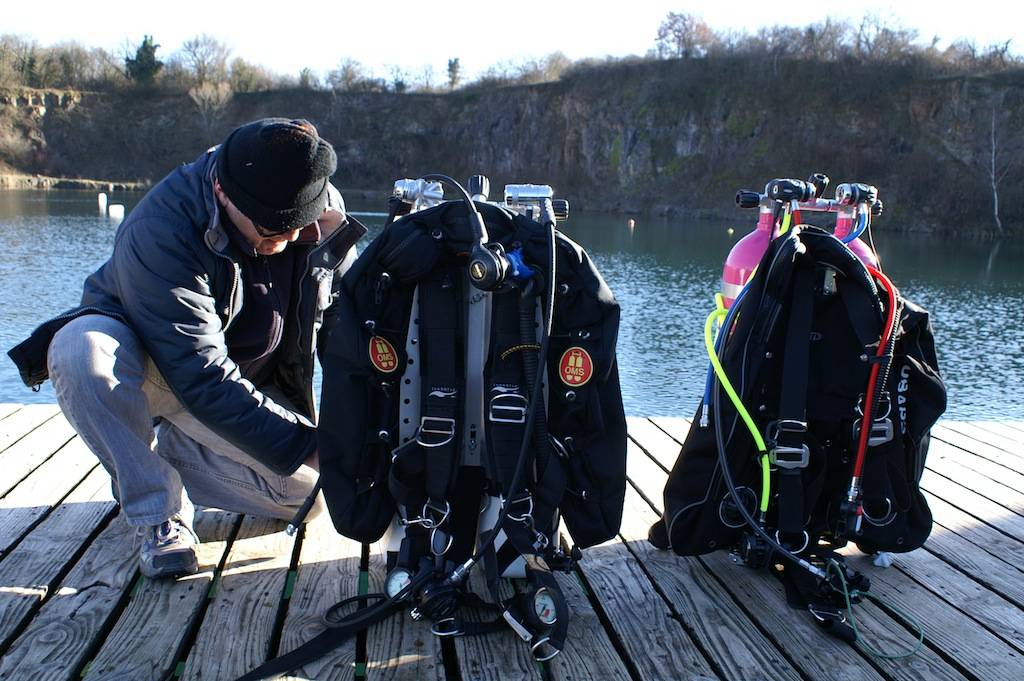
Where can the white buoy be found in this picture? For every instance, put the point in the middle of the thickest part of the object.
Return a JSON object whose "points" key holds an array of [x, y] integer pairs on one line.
{"points": [[101, 201], [116, 211]]}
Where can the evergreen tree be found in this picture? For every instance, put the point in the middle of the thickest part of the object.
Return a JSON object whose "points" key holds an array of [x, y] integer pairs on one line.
{"points": [[143, 67]]}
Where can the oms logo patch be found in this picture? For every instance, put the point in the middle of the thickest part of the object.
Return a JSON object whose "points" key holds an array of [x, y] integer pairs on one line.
{"points": [[383, 355], [575, 368]]}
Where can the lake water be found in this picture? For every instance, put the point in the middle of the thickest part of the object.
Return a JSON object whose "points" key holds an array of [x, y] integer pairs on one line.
{"points": [[664, 273]]}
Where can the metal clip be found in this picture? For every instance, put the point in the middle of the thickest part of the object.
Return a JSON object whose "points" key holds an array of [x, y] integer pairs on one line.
{"points": [[791, 457], [880, 433], [508, 408], [434, 425]]}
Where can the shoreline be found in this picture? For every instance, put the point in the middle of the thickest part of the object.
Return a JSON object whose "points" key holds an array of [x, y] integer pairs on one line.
{"points": [[44, 182]]}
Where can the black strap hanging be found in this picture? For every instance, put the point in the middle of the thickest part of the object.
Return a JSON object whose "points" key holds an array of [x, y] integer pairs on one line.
{"points": [[788, 449]]}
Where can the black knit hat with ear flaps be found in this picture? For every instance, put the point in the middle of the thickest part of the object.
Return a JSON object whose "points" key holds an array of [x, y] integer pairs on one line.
{"points": [[276, 172]]}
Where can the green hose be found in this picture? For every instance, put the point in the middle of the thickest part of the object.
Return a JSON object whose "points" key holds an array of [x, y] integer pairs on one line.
{"points": [[766, 481]]}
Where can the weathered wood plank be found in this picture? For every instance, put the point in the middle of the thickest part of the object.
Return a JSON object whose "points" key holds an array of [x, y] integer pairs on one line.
{"points": [[991, 572], [656, 643], [22, 422], [973, 448], [235, 635], [31, 571], [23, 456], [996, 613], [946, 628], [60, 637], [148, 636], [33, 498], [953, 433], [984, 436], [399, 649], [588, 654], [327, 572], [879, 628], [983, 508], [979, 474], [8, 408], [981, 536], [725, 633], [498, 656], [1004, 429]]}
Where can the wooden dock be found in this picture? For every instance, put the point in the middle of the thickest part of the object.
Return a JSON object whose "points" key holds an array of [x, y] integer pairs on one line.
{"points": [[73, 605]]}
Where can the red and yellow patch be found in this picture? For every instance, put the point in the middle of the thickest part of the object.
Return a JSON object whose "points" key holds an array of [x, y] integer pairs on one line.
{"points": [[383, 355], [575, 368]]}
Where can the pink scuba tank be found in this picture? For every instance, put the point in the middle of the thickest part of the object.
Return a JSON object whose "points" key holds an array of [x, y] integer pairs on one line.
{"points": [[747, 252]]}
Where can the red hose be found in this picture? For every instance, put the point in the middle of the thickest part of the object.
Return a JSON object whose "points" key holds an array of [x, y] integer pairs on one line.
{"points": [[883, 343]]}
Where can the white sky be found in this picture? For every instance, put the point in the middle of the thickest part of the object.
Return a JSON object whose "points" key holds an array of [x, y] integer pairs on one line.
{"points": [[287, 36]]}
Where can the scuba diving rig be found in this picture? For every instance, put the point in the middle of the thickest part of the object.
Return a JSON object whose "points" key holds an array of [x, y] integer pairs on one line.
{"points": [[470, 402], [815, 421]]}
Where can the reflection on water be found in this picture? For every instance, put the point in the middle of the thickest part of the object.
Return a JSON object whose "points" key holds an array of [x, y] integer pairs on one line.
{"points": [[663, 272]]}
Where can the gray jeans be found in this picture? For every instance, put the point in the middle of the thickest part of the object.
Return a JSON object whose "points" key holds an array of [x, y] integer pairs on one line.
{"points": [[110, 390]]}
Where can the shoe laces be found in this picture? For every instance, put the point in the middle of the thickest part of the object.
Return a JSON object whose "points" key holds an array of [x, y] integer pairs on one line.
{"points": [[169, 531]]}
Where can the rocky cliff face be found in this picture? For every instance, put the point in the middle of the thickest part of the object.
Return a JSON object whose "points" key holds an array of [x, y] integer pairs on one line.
{"points": [[658, 136]]}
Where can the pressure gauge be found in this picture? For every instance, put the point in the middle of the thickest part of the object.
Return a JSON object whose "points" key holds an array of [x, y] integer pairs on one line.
{"points": [[397, 579], [544, 607]]}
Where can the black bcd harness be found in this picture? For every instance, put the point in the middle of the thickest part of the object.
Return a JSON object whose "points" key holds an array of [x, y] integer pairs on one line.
{"points": [[806, 334], [436, 434]]}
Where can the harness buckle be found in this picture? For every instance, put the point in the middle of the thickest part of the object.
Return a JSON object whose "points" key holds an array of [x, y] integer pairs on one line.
{"points": [[509, 408], [435, 425], [880, 433], [783, 456], [525, 516]]}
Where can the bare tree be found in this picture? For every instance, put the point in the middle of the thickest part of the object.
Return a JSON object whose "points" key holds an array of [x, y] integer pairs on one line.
{"points": [[1003, 153], [347, 76], [683, 35], [207, 59], [211, 101]]}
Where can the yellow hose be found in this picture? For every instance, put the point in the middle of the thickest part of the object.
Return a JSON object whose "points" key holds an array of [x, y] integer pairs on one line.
{"points": [[718, 315]]}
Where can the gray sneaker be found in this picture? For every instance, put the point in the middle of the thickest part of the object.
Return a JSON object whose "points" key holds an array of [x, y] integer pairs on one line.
{"points": [[168, 549]]}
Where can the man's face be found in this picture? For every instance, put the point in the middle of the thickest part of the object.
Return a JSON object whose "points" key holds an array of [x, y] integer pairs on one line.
{"points": [[264, 245]]}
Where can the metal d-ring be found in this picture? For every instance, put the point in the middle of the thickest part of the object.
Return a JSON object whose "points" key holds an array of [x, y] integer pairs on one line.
{"points": [[447, 546], [807, 540], [543, 641], [444, 633], [887, 517]]}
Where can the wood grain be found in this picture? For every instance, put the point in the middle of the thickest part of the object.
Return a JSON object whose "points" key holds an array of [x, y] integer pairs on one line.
{"points": [[23, 421], [30, 572], [35, 496], [235, 635], [149, 634], [24, 455], [327, 572]]}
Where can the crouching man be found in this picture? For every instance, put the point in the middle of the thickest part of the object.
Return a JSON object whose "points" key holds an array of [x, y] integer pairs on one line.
{"points": [[204, 321]]}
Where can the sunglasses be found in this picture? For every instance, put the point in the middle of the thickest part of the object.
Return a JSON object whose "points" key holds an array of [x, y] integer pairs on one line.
{"points": [[268, 233]]}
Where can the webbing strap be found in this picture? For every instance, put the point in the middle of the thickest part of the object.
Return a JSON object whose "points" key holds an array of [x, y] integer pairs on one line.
{"points": [[788, 447], [441, 371], [319, 645], [507, 399]]}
